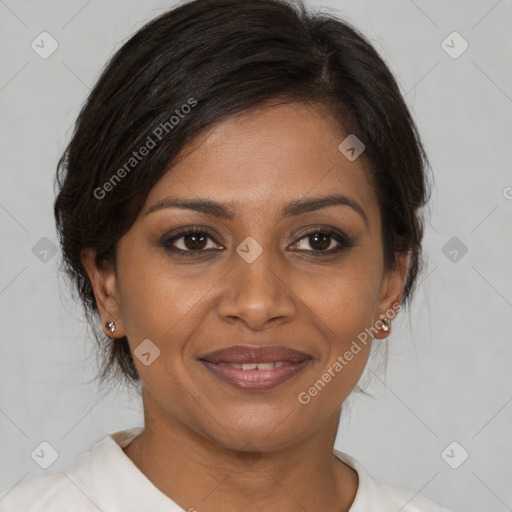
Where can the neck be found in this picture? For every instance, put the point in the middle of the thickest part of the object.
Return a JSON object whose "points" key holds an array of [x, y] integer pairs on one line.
{"points": [[201, 474]]}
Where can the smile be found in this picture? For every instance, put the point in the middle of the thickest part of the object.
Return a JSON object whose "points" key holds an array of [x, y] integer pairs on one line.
{"points": [[255, 376]]}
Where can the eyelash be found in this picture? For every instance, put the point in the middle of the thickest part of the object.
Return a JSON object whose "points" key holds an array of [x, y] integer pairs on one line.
{"points": [[344, 241]]}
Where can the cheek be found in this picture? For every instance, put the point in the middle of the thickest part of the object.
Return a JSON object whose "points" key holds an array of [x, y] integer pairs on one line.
{"points": [[159, 305], [342, 305], [155, 297], [343, 298]]}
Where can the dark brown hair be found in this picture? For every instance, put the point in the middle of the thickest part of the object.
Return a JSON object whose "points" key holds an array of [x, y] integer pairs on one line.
{"points": [[222, 57]]}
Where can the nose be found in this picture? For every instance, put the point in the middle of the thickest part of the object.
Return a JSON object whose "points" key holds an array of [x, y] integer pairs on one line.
{"points": [[256, 294]]}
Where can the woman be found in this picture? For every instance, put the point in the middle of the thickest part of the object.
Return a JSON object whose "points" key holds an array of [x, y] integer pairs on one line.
{"points": [[240, 208]]}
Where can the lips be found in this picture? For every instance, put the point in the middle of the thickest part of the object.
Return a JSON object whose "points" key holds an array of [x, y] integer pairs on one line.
{"points": [[255, 368], [243, 354]]}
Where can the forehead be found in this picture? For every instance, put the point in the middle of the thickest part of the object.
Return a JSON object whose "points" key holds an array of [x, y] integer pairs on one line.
{"points": [[264, 157]]}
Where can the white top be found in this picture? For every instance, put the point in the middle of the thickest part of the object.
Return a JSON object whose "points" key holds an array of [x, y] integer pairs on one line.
{"points": [[105, 479]]}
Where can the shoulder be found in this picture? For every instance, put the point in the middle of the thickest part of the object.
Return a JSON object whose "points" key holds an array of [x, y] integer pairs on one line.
{"points": [[45, 494], [81, 487], [410, 500], [379, 496]]}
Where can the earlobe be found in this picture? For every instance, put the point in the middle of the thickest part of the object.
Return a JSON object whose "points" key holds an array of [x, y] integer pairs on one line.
{"points": [[104, 284], [391, 294]]}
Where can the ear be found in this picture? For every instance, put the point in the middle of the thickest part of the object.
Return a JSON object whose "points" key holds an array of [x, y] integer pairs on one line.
{"points": [[391, 292], [106, 293]]}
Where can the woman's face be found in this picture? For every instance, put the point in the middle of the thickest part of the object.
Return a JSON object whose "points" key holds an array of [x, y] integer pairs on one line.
{"points": [[260, 271]]}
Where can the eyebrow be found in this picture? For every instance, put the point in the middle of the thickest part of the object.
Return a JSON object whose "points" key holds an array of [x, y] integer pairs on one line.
{"points": [[291, 209]]}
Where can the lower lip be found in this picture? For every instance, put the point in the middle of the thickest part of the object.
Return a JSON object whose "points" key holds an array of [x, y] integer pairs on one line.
{"points": [[255, 379]]}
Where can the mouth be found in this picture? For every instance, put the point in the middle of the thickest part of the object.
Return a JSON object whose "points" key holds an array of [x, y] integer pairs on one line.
{"points": [[255, 368]]}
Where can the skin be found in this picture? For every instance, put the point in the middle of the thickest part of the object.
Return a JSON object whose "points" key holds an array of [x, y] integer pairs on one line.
{"points": [[206, 444]]}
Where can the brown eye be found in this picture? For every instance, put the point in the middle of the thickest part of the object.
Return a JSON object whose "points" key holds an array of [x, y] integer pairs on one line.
{"points": [[320, 241], [324, 241], [194, 241], [190, 242]]}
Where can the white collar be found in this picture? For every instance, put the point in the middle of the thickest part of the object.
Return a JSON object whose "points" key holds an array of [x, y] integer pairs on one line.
{"points": [[137, 492], [106, 479]]}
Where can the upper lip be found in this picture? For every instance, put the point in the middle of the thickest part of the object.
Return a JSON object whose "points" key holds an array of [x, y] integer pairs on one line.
{"points": [[250, 354]]}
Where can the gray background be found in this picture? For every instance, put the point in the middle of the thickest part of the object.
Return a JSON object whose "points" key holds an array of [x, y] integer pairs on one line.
{"points": [[449, 375]]}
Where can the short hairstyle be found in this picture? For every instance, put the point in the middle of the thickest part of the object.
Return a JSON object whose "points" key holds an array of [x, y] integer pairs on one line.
{"points": [[218, 58]]}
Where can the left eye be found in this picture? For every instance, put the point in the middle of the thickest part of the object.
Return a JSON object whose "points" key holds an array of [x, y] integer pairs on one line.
{"points": [[323, 241]]}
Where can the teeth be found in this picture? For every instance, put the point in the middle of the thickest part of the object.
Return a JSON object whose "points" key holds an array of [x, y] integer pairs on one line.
{"points": [[265, 366], [254, 366]]}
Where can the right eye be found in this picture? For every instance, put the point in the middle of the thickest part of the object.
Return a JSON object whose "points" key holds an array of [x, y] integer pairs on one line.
{"points": [[192, 240]]}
